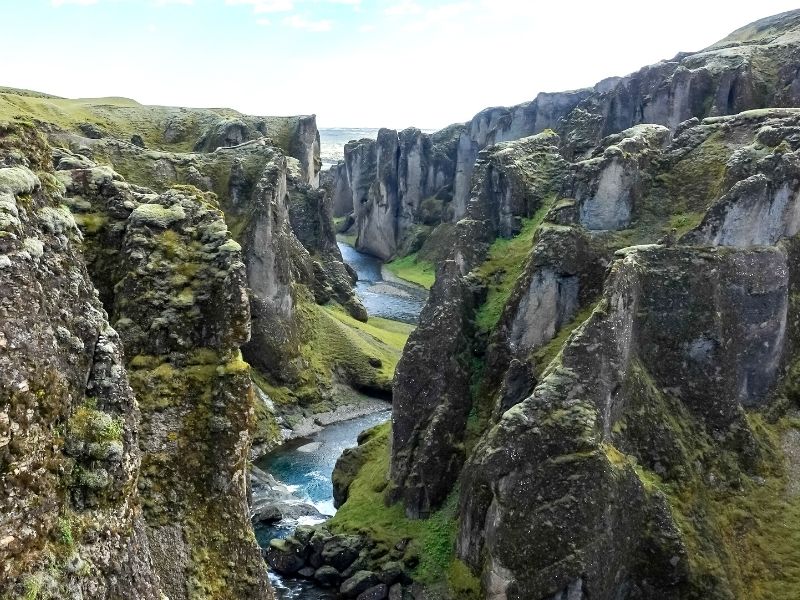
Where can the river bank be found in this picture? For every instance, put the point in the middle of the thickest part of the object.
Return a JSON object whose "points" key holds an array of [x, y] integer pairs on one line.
{"points": [[296, 479]]}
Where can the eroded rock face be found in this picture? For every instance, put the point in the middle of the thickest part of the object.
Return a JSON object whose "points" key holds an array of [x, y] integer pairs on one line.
{"points": [[565, 272], [432, 397], [607, 187], [760, 206], [613, 386], [724, 79], [175, 284], [545, 501], [396, 186], [495, 125], [727, 78], [70, 523]]}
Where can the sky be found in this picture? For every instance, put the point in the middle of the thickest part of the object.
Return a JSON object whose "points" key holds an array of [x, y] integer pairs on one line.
{"points": [[353, 63]]}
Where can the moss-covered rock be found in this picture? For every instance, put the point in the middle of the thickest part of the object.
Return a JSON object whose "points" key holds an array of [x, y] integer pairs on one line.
{"points": [[70, 523], [174, 283]]}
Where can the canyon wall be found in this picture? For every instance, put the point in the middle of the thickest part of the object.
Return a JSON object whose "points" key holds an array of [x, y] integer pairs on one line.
{"points": [[750, 69], [600, 396]]}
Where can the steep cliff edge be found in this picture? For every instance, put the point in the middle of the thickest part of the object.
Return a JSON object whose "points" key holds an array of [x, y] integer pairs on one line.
{"points": [[71, 524], [174, 283], [85, 122], [264, 172], [603, 381], [750, 69]]}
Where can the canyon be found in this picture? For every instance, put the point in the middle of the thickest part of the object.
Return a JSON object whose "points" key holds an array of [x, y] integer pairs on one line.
{"points": [[598, 399]]}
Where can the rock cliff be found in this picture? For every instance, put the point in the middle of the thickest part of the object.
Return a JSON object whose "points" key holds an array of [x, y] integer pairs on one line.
{"points": [[264, 172], [174, 283], [71, 524], [736, 74], [604, 378]]}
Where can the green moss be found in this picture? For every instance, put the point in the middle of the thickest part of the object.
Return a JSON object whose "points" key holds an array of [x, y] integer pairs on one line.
{"points": [[462, 582], [685, 222], [65, 533], [95, 425], [32, 586], [740, 525], [366, 354], [122, 118], [679, 194], [413, 269], [91, 222], [505, 264], [432, 540], [145, 362], [545, 355]]}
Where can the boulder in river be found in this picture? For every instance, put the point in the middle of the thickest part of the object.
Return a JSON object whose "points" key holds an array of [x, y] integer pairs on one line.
{"points": [[272, 501]]}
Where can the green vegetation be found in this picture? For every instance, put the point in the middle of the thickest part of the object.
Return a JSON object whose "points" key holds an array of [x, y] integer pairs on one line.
{"points": [[123, 117], [545, 355], [432, 540], [505, 264], [344, 359], [95, 425], [347, 238], [748, 536], [413, 269], [740, 524], [65, 532], [340, 342], [33, 586], [678, 197]]}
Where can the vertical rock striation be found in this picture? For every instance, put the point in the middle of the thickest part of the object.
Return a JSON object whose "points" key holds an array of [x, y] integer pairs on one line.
{"points": [[175, 285], [70, 522], [736, 74]]}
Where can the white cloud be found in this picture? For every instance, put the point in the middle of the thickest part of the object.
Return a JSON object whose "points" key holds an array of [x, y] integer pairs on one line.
{"points": [[367, 28], [300, 22], [403, 8], [58, 3], [446, 15], [264, 6], [263, 22]]}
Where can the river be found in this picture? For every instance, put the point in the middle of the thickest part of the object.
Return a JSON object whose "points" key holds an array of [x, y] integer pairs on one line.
{"points": [[382, 294], [306, 465]]}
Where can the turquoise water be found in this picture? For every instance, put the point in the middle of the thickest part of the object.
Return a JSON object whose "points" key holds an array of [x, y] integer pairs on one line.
{"points": [[388, 299], [306, 466]]}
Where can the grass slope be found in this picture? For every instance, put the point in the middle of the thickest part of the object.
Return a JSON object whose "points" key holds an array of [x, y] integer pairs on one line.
{"points": [[413, 269], [432, 540], [123, 117]]}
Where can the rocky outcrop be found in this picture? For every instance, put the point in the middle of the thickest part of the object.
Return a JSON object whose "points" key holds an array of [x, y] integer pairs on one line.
{"points": [[612, 417], [732, 76], [351, 564], [164, 128], [282, 222], [722, 316], [391, 182], [174, 282], [607, 187], [760, 206], [70, 524], [501, 124], [432, 394], [564, 273]]}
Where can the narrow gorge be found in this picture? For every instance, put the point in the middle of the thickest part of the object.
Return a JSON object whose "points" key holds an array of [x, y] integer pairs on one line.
{"points": [[547, 354]]}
